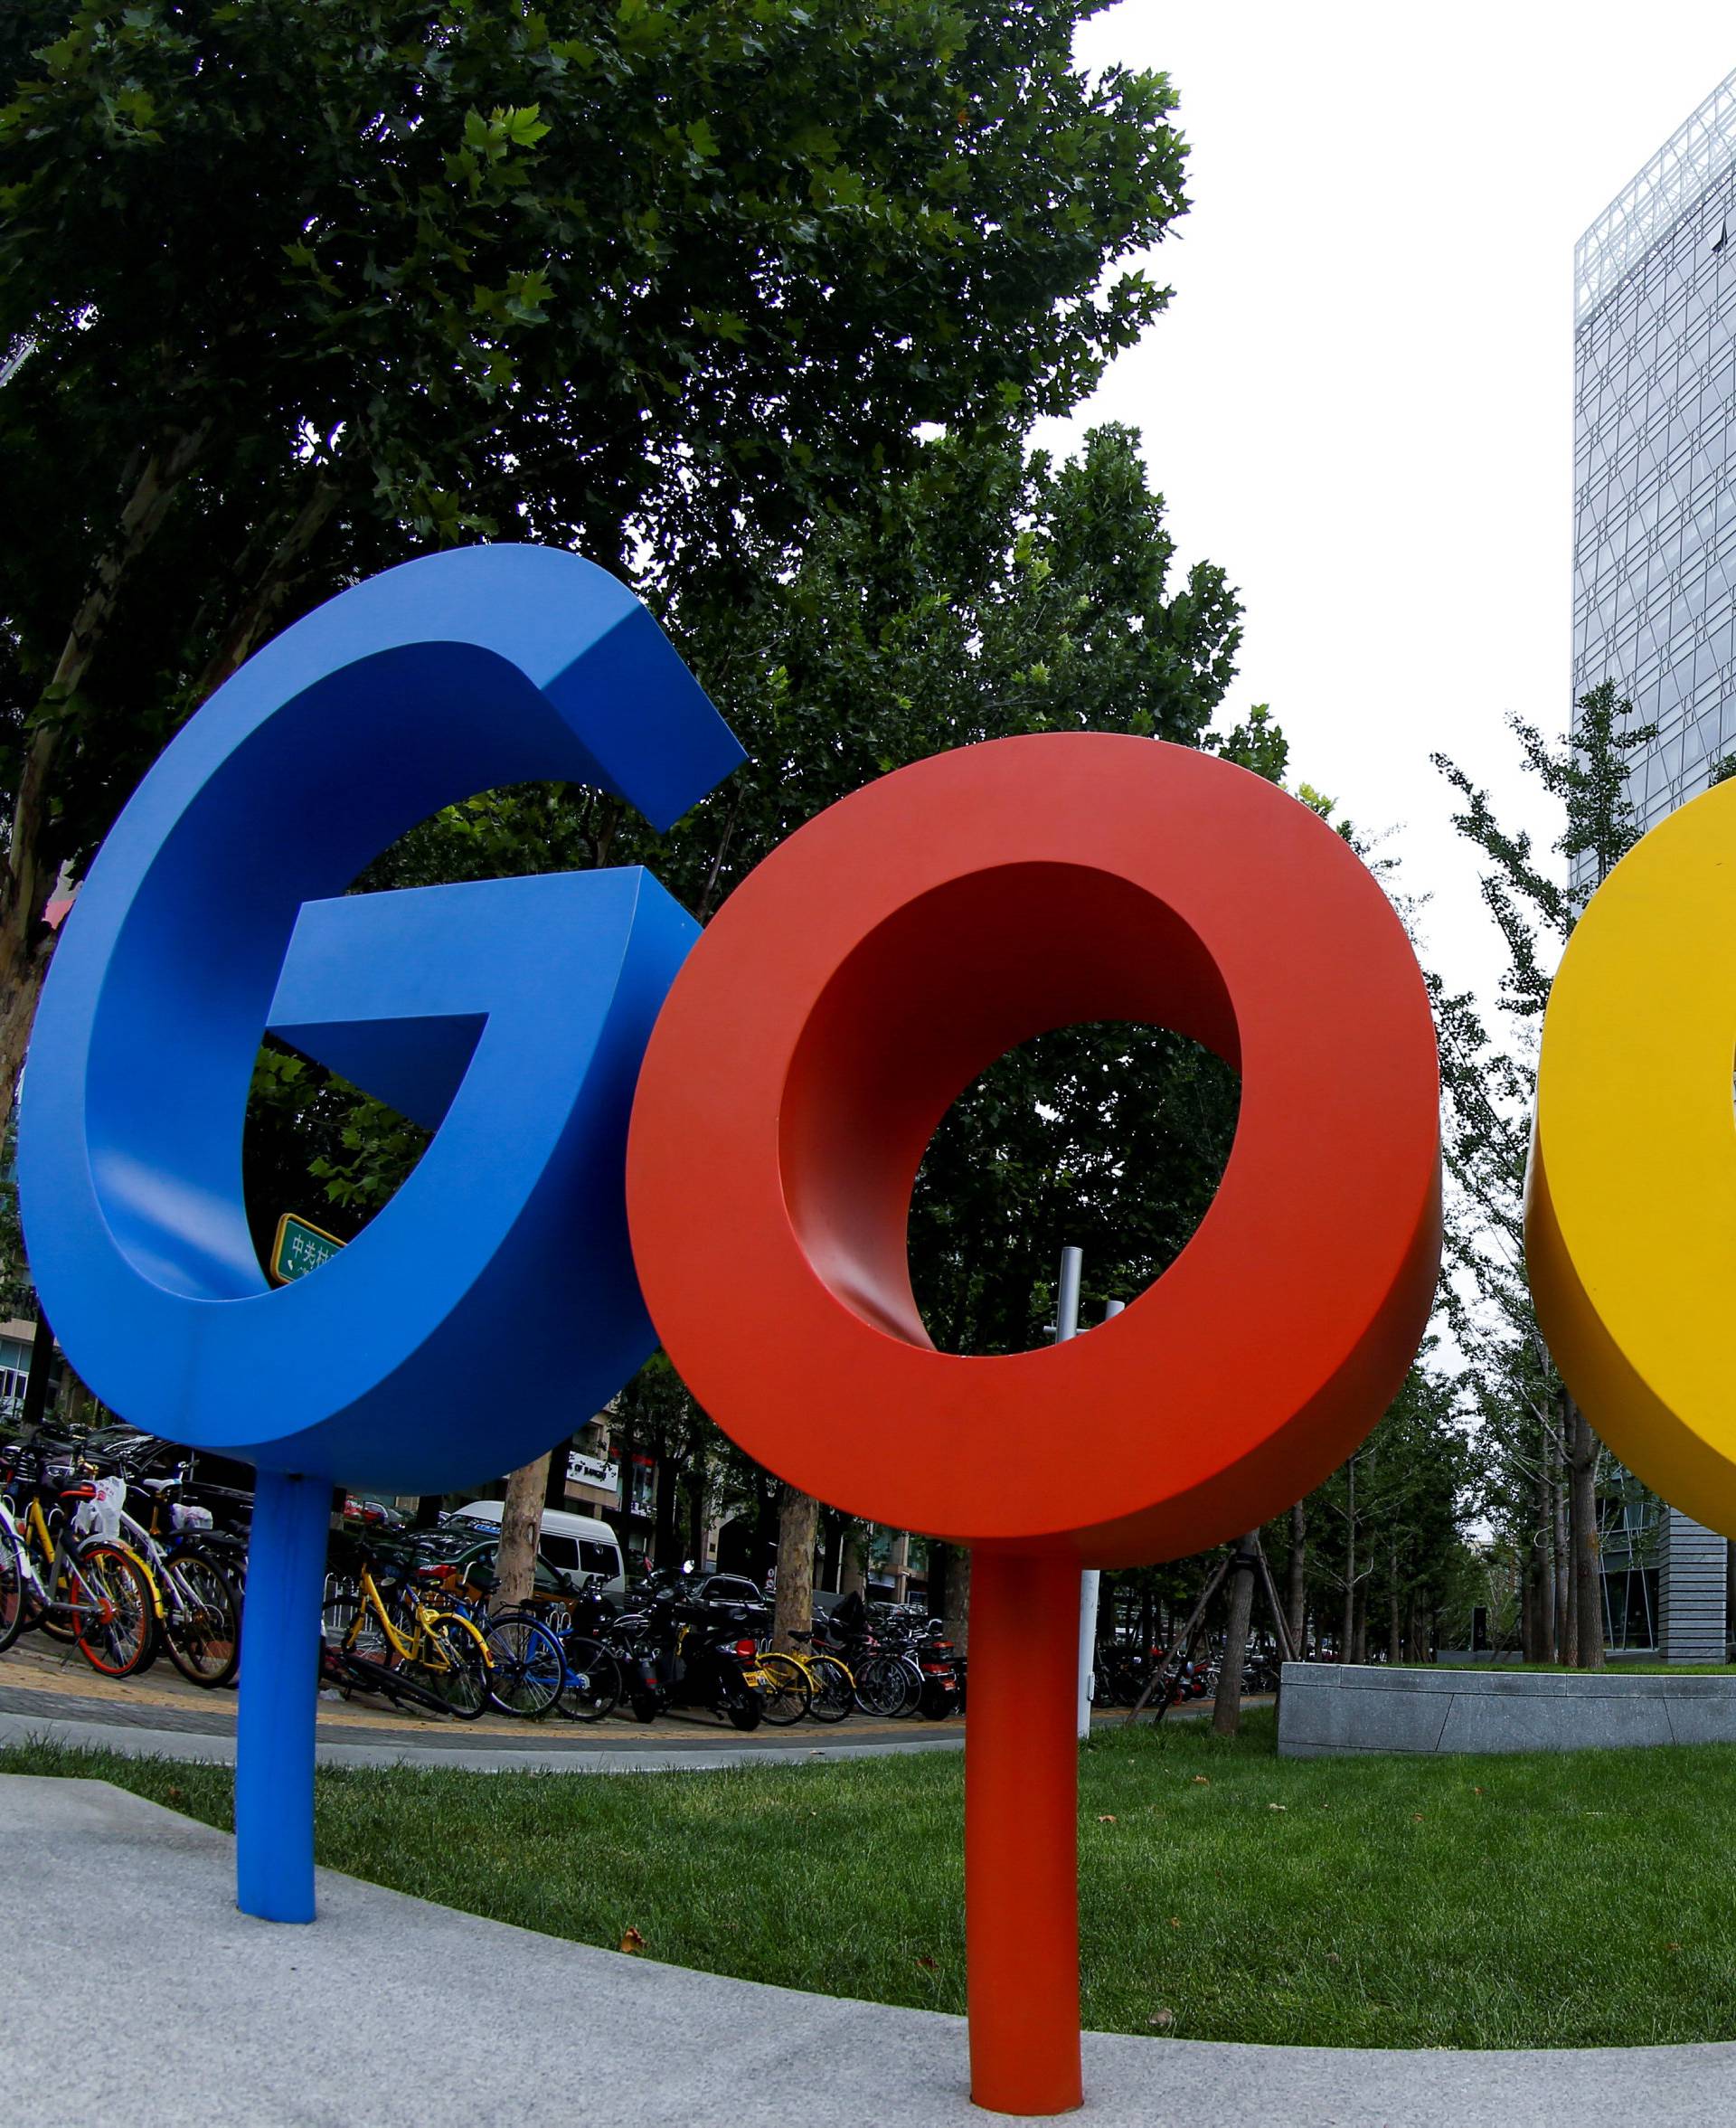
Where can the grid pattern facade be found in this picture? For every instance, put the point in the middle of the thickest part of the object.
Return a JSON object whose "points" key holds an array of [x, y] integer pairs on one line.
{"points": [[1654, 597], [1655, 456], [1693, 1590]]}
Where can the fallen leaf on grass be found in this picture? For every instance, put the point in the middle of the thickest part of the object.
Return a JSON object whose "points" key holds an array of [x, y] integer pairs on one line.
{"points": [[1202, 1781], [1174, 1921], [1106, 1818], [632, 1941], [928, 1963], [1416, 1817], [1277, 1806], [1162, 2019], [1333, 1958]]}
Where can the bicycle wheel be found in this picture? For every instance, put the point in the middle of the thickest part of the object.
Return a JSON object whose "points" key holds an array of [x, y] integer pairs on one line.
{"points": [[344, 1622], [785, 1692], [527, 1668], [12, 1588], [882, 1686], [203, 1623], [114, 1625], [451, 1660], [835, 1692], [592, 1685]]}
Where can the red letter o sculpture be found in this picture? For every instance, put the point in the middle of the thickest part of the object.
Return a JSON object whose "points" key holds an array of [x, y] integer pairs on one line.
{"points": [[869, 970], [842, 999]]}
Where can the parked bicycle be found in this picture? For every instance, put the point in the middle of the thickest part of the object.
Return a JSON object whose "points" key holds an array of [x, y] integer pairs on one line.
{"points": [[90, 1590], [387, 1636]]}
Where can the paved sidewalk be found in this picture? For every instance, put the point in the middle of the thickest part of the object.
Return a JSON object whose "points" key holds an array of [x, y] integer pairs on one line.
{"points": [[52, 1694], [56, 1696], [392, 2013]]}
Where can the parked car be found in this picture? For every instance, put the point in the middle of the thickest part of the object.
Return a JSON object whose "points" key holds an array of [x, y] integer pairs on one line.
{"points": [[577, 1547]]}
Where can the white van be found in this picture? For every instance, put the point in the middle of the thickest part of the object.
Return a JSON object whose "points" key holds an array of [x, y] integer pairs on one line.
{"points": [[573, 1545]]}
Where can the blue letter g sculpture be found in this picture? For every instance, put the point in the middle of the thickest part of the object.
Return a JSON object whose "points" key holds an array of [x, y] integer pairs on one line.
{"points": [[494, 1297]]}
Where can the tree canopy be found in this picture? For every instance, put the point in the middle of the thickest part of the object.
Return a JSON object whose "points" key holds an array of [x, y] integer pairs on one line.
{"points": [[1540, 1458], [289, 292]]}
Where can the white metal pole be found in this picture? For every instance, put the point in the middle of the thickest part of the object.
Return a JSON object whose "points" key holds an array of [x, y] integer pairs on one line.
{"points": [[1073, 1262], [1087, 1591]]}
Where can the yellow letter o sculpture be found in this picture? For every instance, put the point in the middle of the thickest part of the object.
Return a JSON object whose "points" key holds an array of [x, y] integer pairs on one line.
{"points": [[1630, 1214]]}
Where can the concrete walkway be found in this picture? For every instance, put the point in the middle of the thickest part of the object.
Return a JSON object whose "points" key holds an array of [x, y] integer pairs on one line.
{"points": [[49, 1695], [520, 1755], [391, 2013], [52, 1694]]}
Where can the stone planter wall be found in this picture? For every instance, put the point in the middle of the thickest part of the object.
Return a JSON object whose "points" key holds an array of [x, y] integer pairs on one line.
{"points": [[1329, 1709]]}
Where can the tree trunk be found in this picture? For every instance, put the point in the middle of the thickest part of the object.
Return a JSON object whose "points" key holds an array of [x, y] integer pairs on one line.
{"points": [[767, 1508], [250, 622], [1226, 1714], [1527, 1606], [622, 1443], [853, 1575], [1588, 1579], [957, 1611], [697, 1486], [664, 1515], [25, 946], [1561, 1578], [1347, 1639], [1360, 1642], [1542, 1569], [1296, 1580], [1570, 1623], [1394, 1654], [799, 1519], [939, 1569], [521, 1531], [42, 1365]]}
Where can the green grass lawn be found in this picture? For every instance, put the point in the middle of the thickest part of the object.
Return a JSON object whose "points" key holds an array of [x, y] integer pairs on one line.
{"points": [[1226, 1893]]}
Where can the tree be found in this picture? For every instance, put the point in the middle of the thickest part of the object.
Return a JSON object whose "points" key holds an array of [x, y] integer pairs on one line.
{"points": [[521, 1524], [1387, 1527], [1546, 1455], [798, 1515], [1226, 1713], [658, 283]]}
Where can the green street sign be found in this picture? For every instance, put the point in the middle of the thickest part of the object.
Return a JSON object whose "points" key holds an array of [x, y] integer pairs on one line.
{"points": [[300, 1247]]}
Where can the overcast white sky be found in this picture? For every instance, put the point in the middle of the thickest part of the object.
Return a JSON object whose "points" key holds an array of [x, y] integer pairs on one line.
{"points": [[1360, 401]]}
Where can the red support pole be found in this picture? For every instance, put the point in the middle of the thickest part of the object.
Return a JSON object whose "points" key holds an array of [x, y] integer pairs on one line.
{"points": [[1021, 1834]]}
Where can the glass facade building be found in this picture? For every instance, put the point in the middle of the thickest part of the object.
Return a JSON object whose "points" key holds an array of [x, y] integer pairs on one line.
{"points": [[1655, 611], [1654, 453]]}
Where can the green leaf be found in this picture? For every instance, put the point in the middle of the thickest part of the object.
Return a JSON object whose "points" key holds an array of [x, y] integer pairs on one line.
{"points": [[523, 128]]}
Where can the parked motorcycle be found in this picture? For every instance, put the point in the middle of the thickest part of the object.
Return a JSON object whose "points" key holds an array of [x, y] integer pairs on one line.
{"points": [[680, 1653]]}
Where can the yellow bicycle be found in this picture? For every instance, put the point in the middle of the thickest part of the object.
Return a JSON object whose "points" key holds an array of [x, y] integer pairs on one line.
{"points": [[807, 1682], [93, 1591], [398, 1643]]}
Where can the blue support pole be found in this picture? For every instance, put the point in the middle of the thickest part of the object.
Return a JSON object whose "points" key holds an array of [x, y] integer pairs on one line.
{"points": [[274, 1734]]}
